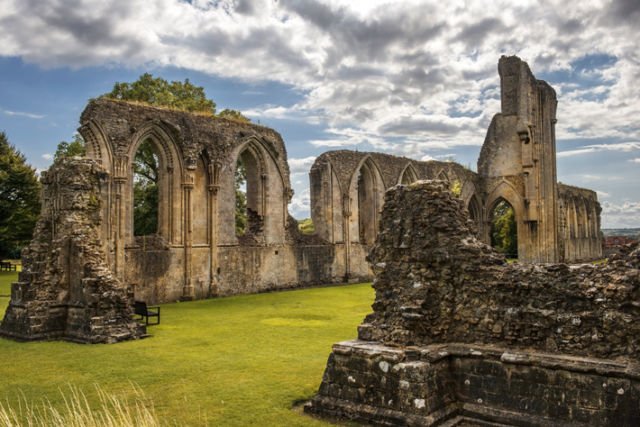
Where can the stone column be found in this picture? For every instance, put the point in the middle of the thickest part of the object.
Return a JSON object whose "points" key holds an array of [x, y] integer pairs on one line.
{"points": [[346, 225], [119, 234], [188, 292], [214, 174]]}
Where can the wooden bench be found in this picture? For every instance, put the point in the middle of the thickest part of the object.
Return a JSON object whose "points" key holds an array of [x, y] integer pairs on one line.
{"points": [[7, 266], [145, 312]]}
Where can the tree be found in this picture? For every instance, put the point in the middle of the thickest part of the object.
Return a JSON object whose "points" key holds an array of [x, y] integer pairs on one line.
{"points": [[241, 198], [157, 91], [70, 149], [145, 190], [19, 200], [504, 232]]}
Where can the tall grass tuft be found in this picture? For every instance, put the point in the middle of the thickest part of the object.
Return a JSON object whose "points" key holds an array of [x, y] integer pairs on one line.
{"points": [[112, 411]]}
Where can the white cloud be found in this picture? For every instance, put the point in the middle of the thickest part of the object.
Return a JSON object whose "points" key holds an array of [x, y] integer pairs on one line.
{"points": [[383, 70], [378, 75], [47, 156], [622, 146], [301, 165], [300, 204], [636, 160], [23, 114], [620, 215]]}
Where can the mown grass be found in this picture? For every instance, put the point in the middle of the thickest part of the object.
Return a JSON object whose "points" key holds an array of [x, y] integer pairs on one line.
{"points": [[231, 361]]}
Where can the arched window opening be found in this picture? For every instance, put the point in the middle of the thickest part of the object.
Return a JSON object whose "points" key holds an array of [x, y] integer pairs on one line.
{"points": [[442, 176], [504, 231], [241, 197], [146, 166], [408, 176], [367, 218], [474, 211], [249, 196]]}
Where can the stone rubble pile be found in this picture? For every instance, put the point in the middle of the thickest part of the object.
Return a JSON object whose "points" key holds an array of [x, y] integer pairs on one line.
{"points": [[66, 289], [436, 283]]}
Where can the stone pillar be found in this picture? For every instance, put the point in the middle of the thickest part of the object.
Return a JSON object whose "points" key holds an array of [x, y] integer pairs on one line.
{"points": [[120, 185], [188, 292], [214, 175], [346, 225]]}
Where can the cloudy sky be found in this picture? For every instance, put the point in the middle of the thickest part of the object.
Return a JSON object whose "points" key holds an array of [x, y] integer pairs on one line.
{"points": [[413, 78]]}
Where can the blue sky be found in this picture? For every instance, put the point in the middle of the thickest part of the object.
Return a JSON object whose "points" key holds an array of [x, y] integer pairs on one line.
{"points": [[413, 78]]}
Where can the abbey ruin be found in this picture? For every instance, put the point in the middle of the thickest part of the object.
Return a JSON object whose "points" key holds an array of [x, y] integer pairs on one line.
{"points": [[457, 337], [196, 253]]}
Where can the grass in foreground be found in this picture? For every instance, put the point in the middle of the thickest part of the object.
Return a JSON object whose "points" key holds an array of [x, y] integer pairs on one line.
{"points": [[231, 361], [112, 411]]}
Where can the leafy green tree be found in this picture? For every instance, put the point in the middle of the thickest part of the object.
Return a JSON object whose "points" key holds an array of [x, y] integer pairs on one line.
{"points": [[19, 200], [504, 232], [70, 149], [157, 91], [241, 198], [145, 190], [306, 226]]}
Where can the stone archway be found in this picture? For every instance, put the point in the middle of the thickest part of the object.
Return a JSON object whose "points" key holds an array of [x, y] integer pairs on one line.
{"points": [[408, 175], [367, 198]]}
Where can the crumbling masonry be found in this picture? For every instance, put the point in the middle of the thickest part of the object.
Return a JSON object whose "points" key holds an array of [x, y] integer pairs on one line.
{"points": [[196, 253], [459, 336]]}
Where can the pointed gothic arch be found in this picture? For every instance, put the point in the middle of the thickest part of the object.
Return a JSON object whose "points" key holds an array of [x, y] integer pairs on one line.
{"points": [[169, 181], [366, 196], [408, 175]]}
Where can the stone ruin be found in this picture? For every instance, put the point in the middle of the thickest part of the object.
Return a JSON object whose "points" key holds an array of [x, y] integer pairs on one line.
{"points": [[517, 164], [459, 337], [195, 252], [65, 289]]}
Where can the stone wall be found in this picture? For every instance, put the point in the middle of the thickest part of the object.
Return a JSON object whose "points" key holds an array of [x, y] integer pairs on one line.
{"points": [[66, 289], [196, 252], [579, 223], [455, 330]]}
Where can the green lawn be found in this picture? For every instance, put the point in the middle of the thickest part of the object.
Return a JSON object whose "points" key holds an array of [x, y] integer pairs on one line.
{"points": [[231, 361]]}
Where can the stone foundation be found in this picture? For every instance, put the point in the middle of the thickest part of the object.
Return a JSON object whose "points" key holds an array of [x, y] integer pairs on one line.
{"points": [[454, 384], [459, 336]]}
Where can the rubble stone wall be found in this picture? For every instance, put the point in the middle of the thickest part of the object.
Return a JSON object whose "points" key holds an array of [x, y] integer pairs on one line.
{"points": [[460, 331], [66, 289]]}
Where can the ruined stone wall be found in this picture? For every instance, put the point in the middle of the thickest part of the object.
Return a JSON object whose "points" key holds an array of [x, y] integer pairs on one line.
{"points": [[457, 332], [339, 211], [436, 283], [579, 221], [66, 289], [196, 253], [517, 164]]}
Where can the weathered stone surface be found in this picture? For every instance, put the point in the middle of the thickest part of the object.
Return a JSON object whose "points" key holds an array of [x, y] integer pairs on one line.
{"points": [[66, 289], [437, 283], [463, 385], [455, 331]]}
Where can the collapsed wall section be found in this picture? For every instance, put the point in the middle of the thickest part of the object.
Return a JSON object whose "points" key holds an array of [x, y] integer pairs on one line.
{"points": [[455, 331], [66, 289]]}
